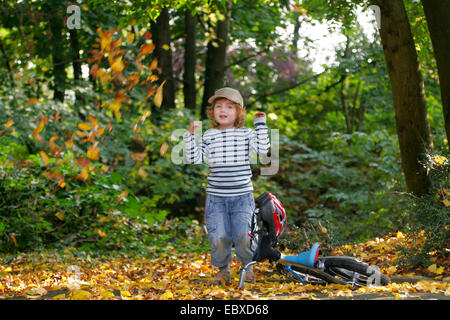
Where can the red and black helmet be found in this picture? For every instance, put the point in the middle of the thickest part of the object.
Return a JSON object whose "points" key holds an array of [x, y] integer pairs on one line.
{"points": [[272, 215]]}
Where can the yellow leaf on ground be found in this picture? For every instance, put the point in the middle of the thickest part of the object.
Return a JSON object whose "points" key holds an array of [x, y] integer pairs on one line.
{"points": [[167, 295], [434, 269], [107, 294], [125, 293], [81, 295]]}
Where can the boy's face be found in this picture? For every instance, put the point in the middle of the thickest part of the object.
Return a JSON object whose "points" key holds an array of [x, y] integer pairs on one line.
{"points": [[225, 113]]}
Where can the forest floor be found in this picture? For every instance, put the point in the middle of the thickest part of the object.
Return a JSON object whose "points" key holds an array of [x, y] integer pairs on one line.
{"points": [[70, 275]]}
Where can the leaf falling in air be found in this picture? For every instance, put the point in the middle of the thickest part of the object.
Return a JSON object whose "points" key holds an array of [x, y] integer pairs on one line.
{"points": [[157, 100]]}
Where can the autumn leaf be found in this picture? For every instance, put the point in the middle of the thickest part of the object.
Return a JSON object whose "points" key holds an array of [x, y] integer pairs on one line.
{"points": [[146, 49], [446, 202], [32, 100], [142, 173], [35, 293], [167, 295], [57, 116], [84, 126], [93, 70], [13, 237], [81, 295], [132, 79], [44, 158], [434, 269], [94, 122], [61, 183], [9, 124], [93, 151], [130, 37], [154, 64], [53, 146], [151, 92], [163, 149], [117, 65], [84, 174], [122, 195], [138, 156], [157, 100], [101, 233], [39, 128], [69, 144], [60, 216]]}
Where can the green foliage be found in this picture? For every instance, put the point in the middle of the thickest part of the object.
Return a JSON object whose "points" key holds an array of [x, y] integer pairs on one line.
{"points": [[428, 221], [350, 186]]}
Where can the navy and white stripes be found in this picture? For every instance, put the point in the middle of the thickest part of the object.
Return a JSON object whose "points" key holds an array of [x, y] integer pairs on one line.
{"points": [[227, 153]]}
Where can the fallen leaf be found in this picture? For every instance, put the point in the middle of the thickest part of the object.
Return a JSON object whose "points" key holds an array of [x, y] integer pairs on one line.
{"points": [[167, 295], [81, 295]]}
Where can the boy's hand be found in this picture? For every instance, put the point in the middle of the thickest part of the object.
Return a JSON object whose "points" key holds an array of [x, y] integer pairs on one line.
{"points": [[194, 125], [260, 115]]}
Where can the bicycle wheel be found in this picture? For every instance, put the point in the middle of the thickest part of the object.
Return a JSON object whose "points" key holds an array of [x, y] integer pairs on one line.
{"points": [[353, 271], [343, 270], [312, 275]]}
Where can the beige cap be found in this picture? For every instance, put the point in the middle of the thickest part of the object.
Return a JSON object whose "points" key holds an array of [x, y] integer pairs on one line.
{"points": [[228, 93]]}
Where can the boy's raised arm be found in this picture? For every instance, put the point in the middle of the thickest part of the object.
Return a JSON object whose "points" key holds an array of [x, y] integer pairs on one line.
{"points": [[259, 140], [194, 154]]}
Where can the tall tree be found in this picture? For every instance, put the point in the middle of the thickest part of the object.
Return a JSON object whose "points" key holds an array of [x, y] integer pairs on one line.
{"points": [[189, 61], [413, 128], [163, 52], [55, 12], [437, 13], [215, 58]]}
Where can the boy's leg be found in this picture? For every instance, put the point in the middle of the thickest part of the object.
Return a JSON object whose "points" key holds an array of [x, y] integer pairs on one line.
{"points": [[241, 219], [218, 226]]}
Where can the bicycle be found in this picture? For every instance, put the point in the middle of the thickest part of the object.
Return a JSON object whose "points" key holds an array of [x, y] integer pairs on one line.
{"points": [[306, 267]]}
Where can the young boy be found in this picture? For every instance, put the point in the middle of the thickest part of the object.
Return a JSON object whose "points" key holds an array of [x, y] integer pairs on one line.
{"points": [[229, 200]]}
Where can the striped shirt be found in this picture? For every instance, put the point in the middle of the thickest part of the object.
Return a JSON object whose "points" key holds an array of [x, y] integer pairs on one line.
{"points": [[227, 153]]}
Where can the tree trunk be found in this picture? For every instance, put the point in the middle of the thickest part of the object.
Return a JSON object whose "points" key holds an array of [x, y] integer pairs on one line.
{"points": [[8, 67], [437, 13], [215, 59], [413, 128], [161, 38], [76, 60], [189, 62], [56, 25]]}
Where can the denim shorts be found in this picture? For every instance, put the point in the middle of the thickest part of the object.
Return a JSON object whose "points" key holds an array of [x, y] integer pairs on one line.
{"points": [[228, 221]]}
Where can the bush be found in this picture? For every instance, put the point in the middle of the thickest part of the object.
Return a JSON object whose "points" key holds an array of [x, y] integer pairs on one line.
{"points": [[350, 185], [429, 218]]}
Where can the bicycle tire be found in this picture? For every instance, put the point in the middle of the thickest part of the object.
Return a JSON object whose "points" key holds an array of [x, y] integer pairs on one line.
{"points": [[345, 270], [328, 278], [354, 271]]}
